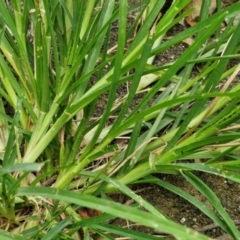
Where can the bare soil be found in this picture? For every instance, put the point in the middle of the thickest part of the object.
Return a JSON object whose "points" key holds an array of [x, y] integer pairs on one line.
{"points": [[181, 211]]}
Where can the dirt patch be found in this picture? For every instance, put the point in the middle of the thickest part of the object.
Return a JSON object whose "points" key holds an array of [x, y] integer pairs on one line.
{"points": [[183, 212]]}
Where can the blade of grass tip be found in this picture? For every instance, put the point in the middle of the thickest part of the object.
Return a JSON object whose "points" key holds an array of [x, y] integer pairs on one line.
{"points": [[214, 200], [52, 233], [113, 208], [31, 232]]}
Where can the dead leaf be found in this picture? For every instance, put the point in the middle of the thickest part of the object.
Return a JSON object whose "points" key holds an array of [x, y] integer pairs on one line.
{"points": [[88, 213], [194, 15], [188, 41]]}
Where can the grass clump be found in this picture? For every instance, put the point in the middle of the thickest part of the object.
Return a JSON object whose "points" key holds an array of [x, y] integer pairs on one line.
{"points": [[56, 66]]}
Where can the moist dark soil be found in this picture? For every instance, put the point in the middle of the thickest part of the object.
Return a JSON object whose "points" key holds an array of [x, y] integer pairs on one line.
{"points": [[173, 206], [181, 211]]}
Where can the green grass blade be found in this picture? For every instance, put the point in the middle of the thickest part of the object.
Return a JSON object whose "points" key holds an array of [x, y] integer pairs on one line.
{"points": [[212, 168], [52, 233], [9, 236], [124, 189], [201, 206], [214, 200], [116, 75], [112, 208], [22, 167], [126, 232]]}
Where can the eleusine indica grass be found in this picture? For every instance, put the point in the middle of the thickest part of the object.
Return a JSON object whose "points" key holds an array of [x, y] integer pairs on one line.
{"points": [[56, 62]]}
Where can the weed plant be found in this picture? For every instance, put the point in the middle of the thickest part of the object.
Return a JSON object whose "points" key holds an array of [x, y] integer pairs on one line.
{"points": [[59, 155]]}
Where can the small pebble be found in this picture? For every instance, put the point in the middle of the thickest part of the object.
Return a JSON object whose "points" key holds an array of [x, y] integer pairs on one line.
{"points": [[183, 220], [194, 219], [224, 203], [195, 226], [230, 182]]}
